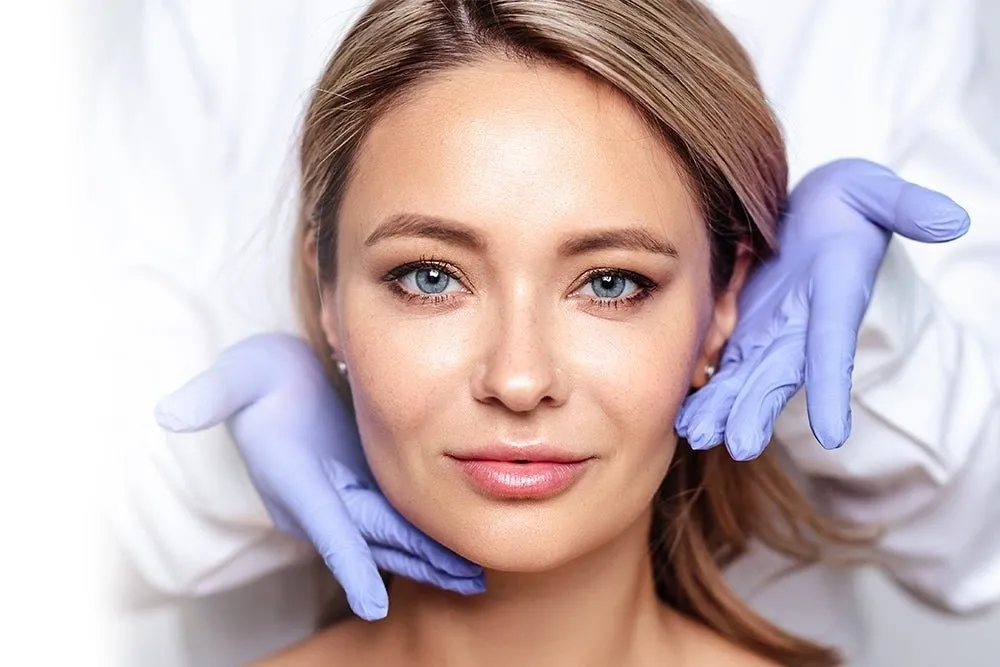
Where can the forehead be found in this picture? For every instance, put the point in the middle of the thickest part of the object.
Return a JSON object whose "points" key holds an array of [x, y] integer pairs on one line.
{"points": [[501, 140]]}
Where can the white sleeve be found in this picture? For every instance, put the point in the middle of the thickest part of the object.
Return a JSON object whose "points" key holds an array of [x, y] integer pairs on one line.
{"points": [[194, 126], [923, 461]]}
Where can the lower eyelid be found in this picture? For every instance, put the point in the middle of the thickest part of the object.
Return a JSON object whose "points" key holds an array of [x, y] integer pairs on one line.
{"points": [[635, 298]]}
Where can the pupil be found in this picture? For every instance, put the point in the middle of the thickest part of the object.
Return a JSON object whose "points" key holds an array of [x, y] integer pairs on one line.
{"points": [[608, 286], [432, 281]]}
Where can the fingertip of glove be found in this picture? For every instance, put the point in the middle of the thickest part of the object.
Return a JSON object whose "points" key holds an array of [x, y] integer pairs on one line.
{"points": [[829, 443], [168, 419], [830, 439], [377, 605], [701, 440], [742, 448], [744, 454], [471, 569], [370, 613], [832, 436], [475, 586], [374, 603], [936, 216]]}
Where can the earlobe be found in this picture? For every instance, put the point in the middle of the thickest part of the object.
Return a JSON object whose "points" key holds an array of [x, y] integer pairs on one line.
{"points": [[711, 350], [725, 315], [703, 374]]}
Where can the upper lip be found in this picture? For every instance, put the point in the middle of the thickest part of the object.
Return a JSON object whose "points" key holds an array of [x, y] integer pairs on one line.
{"points": [[516, 453]]}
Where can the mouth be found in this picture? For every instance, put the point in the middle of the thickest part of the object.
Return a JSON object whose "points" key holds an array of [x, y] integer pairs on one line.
{"points": [[535, 472]]}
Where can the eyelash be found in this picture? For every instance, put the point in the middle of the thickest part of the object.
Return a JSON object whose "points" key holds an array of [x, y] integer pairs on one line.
{"points": [[645, 286], [395, 275]]}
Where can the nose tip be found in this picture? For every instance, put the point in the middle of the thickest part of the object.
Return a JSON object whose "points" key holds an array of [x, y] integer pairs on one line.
{"points": [[522, 391], [519, 368], [521, 379]]}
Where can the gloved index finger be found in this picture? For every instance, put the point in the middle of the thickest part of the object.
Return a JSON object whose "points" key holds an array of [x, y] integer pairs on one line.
{"points": [[773, 381], [836, 309], [324, 518]]}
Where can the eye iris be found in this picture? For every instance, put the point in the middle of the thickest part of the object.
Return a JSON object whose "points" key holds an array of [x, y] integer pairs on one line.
{"points": [[431, 280], [608, 286]]}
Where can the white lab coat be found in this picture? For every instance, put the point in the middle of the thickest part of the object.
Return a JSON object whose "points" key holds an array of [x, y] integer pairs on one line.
{"points": [[196, 126]]}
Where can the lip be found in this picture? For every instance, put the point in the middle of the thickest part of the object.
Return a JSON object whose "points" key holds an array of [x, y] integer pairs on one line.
{"points": [[531, 472], [521, 453]]}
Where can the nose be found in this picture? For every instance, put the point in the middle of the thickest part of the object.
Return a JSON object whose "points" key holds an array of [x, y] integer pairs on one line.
{"points": [[519, 369]]}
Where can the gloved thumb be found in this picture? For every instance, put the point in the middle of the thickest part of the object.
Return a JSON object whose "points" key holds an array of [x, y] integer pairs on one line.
{"points": [[929, 216], [899, 206], [211, 397]]}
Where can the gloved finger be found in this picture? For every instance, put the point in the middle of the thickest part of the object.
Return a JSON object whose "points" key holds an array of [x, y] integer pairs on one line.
{"points": [[836, 309], [687, 416], [775, 379], [381, 524], [407, 566], [899, 206], [331, 529], [211, 397], [709, 407]]}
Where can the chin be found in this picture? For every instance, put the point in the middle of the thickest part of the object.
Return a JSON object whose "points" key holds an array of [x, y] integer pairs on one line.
{"points": [[533, 559], [507, 535], [523, 557], [516, 539]]}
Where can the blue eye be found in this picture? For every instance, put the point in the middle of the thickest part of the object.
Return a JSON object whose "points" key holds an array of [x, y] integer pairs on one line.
{"points": [[610, 285], [429, 280]]}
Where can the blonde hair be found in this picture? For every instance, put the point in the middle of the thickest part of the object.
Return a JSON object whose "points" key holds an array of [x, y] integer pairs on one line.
{"points": [[695, 87]]}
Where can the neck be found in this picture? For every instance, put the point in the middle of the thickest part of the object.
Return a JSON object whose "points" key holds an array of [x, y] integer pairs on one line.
{"points": [[599, 609]]}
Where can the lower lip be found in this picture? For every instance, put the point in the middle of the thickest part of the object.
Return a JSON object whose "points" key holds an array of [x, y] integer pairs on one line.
{"points": [[536, 479]]}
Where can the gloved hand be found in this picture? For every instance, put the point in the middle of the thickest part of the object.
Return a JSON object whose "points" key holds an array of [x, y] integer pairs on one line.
{"points": [[301, 448], [800, 312]]}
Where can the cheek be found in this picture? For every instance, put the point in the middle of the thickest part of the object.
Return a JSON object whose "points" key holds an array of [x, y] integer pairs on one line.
{"points": [[643, 381], [640, 371], [406, 379]]}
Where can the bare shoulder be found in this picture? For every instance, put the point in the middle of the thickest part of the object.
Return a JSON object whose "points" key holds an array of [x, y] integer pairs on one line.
{"points": [[345, 644]]}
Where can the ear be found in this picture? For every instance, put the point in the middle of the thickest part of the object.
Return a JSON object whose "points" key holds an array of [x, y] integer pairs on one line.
{"points": [[725, 314], [328, 317]]}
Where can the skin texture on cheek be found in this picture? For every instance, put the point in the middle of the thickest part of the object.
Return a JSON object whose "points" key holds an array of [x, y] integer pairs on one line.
{"points": [[519, 355]]}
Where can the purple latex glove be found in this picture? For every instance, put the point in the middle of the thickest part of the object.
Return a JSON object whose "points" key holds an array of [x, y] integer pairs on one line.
{"points": [[301, 447], [800, 312]]}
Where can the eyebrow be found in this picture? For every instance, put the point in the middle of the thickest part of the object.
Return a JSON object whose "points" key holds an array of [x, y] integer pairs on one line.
{"points": [[459, 234], [427, 226], [632, 238]]}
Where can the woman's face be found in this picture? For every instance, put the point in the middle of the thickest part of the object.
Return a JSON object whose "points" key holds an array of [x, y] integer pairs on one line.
{"points": [[522, 276]]}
